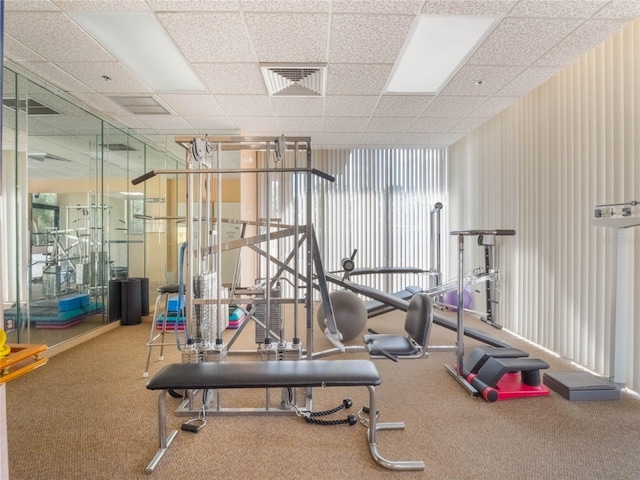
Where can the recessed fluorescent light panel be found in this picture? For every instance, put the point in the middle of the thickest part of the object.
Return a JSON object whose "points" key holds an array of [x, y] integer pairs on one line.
{"points": [[435, 49], [143, 45]]}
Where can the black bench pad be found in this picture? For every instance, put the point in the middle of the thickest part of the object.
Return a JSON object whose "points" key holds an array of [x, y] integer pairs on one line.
{"points": [[266, 374]]}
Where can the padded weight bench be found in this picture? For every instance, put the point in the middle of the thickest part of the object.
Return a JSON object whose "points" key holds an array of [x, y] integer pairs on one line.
{"points": [[273, 374]]}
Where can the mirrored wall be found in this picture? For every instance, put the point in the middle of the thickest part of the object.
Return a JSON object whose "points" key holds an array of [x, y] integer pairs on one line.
{"points": [[72, 222]]}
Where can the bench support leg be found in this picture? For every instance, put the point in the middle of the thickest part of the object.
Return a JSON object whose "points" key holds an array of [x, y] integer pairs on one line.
{"points": [[165, 440], [371, 437]]}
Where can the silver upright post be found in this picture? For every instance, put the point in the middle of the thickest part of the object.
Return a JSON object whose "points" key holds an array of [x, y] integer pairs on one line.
{"points": [[460, 341], [267, 306], [188, 285], [434, 261], [219, 326], [310, 253], [296, 338]]}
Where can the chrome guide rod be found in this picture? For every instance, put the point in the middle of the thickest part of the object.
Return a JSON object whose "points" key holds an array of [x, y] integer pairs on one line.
{"points": [[267, 306], [435, 260], [309, 260], [296, 267], [188, 279], [219, 327]]}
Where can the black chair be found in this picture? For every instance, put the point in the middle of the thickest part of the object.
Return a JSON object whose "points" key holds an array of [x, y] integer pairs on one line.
{"points": [[417, 324]]}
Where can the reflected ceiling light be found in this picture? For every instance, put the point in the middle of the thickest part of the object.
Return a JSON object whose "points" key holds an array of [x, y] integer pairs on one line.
{"points": [[133, 194], [434, 50], [143, 45]]}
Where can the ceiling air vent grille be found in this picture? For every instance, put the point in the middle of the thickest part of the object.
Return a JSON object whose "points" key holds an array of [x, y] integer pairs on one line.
{"points": [[141, 105], [291, 80]]}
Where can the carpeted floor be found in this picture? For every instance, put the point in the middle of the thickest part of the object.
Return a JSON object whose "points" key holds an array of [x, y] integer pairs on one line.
{"points": [[87, 415]]}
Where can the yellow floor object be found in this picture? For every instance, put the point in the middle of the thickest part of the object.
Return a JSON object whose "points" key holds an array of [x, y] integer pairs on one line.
{"points": [[23, 359]]}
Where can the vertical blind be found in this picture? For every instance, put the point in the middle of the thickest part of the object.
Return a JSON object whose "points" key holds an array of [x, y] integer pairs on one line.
{"points": [[379, 205], [540, 167]]}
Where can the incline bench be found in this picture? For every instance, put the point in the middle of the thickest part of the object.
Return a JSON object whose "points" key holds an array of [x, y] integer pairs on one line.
{"points": [[273, 374]]}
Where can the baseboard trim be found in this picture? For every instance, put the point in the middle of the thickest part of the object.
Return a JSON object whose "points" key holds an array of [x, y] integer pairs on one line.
{"points": [[75, 341]]}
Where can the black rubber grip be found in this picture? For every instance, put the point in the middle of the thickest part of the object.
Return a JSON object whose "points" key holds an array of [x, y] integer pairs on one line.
{"points": [[143, 178], [188, 427], [321, 174]]}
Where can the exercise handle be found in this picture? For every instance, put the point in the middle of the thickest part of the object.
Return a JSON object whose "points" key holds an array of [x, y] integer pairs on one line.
{"points": [[143, 178], [321, 174]]}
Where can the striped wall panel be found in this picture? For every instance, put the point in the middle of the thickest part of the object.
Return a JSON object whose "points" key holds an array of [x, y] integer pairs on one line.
{"points": [[540, 167], [379, 205]]}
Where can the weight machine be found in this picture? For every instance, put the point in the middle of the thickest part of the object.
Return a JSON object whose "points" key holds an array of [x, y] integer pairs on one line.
{"points": [[203, 330]]}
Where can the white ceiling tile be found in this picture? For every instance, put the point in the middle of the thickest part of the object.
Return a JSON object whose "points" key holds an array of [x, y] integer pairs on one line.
{"points": [[521, 41], [101, 104], [556, 8], [380, 139], [18, 52], [300, 124], [226, 39], [389, 124], [246, 105], [493, 78], [527, 81], [164, 122], [232, 78], [194, 5], [434, 124], [402, 105], [341, 138], [209, 123], [56, 76], [91, 74], [130, 121], [469, 124], [102, 5], [377, 6], [257, 124], [29, 5], [463, 7], [444, 106], [420, 139], [629, 9], [298, 106], [447, 139], [301, 38], [350, 105], [361, 79], [368, 38], [345, 124], [210, 37], [54, 36], [583, 39], [189, 104], [493, 106], [286, 5]]}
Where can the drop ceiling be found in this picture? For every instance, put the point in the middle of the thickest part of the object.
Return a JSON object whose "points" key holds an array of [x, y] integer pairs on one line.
{"points": [[227, 41]]}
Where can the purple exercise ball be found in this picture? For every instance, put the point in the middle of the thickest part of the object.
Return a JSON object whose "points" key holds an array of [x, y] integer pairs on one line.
{"points": [[451, 299]]}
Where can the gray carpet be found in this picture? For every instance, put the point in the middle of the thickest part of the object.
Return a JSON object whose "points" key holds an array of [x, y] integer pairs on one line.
{"points": [[87, 415]]}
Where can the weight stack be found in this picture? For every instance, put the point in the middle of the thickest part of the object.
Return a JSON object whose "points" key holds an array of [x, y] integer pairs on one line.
{"points": [[275, 320], [205, 286]]}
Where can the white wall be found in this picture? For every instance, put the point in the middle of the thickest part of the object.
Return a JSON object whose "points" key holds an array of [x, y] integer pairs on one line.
{"points": [[540, 167]]}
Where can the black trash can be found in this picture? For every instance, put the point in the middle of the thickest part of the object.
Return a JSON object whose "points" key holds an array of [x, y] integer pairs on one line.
{"points": [[144, 294], [125, 301]]}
